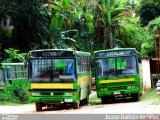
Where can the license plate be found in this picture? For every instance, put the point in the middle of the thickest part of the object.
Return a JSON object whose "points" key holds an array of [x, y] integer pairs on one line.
{"points": [[116, 92], [68, 100]]}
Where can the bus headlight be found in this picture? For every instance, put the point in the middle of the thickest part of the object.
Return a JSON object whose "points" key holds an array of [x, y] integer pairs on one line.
{"points": [[103, 89], [130, 87], [68, 94]]}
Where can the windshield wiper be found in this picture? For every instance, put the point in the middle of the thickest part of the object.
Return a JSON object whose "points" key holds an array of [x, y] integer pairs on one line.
{"points": [[109, 72]]}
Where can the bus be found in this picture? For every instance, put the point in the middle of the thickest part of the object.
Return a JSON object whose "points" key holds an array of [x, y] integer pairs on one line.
{"points": [[59, 76], [12, 76], [118, 73]]}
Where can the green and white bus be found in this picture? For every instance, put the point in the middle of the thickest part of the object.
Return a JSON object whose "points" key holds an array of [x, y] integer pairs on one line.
{"points": [[59, 76], [118, 73], [12, 75]]}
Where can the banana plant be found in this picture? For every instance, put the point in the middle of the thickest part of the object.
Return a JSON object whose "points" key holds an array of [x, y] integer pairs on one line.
{"points": [[58, 38], [111, 11]]}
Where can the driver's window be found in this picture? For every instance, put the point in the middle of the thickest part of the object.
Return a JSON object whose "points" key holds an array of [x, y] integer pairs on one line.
{"points": [[121, 63], [2, 80]]}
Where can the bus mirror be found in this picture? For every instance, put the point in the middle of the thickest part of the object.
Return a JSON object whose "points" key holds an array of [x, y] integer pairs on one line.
{"points": [[25, 64], [79, 61], [26, 61], [139, 60], [26, 57]]}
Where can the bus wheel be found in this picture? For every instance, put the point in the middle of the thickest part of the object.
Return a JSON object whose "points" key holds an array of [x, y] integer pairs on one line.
{"points": [[135, 97], [106, 99], [76, 105], [38, 106], [103, 100]]}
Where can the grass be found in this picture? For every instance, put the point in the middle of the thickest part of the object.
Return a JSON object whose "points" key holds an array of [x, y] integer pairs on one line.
{"points": [[9, 103], [150, 95], [94, 100], [12, 102]]}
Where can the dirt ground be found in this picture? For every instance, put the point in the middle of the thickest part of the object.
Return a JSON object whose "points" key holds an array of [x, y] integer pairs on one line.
{"points": [[117, 107]]}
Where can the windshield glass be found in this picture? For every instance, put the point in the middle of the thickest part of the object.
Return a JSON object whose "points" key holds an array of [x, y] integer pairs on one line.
{"points": [[118, 66], [2, 81], [56, 70], [126, 65], [106, 67]]}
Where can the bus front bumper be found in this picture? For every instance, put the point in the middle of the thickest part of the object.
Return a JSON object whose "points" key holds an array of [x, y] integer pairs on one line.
{"points": [[54, 99], [117, 92]]}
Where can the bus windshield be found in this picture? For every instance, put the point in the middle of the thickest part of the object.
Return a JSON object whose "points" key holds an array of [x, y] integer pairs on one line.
{"points": [[52, 70], [117, 66], [2, 80]]}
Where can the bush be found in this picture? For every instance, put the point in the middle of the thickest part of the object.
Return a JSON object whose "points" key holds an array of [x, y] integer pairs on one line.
{"points": [[13, 55], [21, 93]]}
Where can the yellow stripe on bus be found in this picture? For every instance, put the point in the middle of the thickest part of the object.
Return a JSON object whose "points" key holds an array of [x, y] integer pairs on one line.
{"points": [[1, 88], [51, 86], [118, 80]]}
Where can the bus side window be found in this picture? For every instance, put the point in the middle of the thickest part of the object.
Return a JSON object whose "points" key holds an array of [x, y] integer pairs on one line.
{"points": [[2, 78], [69, 68], [8, 72]]}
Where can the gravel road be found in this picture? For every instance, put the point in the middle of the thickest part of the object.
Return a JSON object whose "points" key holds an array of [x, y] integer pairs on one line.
{"points": [[118, 107]]}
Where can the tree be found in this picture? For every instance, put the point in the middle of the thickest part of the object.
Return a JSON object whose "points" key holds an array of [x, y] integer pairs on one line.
{"points": [[110, 12], [131, 34], [149, 10], [24, 15]]}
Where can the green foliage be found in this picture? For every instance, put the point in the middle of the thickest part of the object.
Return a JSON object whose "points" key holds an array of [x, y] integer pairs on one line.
{"points": [[149, 10], [14, 55], [5, 33], [133, 35], [24, 14], [150, 94], [147, 48], [154, 25], [84, 22], [111, 11], [20, 93]]}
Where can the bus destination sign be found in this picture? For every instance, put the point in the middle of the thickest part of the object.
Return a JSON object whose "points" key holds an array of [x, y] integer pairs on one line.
{"points": [[52, 54], [115, 53]]}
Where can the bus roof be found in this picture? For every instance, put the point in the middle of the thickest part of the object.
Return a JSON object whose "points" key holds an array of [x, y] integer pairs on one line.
{"points": [[117, 49], [69, 51], [41, 50], [12, 63]]}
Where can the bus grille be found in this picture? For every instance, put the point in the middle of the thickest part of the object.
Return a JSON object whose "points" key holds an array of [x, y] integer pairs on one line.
{"points": [[51, 99], [117, 88], [117, 84], [54, 93]]}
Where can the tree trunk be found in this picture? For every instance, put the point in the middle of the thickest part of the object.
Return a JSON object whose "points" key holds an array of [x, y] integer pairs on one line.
{"points": [[111, 44], [108, 39]]}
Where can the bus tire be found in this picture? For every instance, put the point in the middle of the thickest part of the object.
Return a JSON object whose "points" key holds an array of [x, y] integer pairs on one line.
{"points": [[76, 105], [135, 97], [38, 106], [103, 100], [106, 99]]}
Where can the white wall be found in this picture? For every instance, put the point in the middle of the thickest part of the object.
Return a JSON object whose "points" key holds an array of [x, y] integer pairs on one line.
{"points": [[146, 74]]}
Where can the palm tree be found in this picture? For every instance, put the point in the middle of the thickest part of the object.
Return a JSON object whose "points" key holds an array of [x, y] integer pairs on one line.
{"points": [[56, 32], [110, 12]]}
